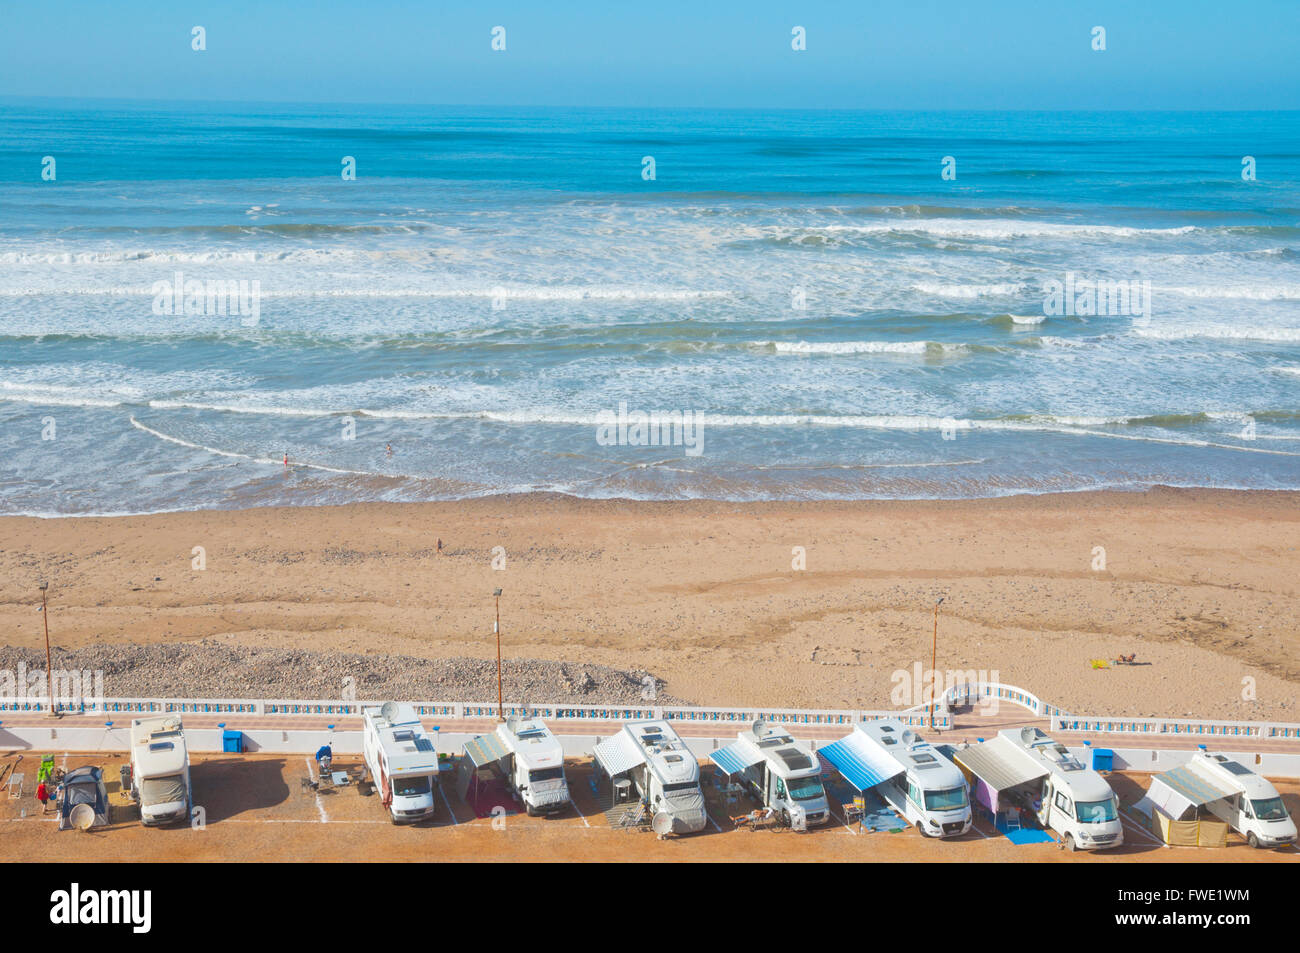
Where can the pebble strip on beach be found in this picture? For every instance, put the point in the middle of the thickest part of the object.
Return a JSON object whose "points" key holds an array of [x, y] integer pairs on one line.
{"points": [[207, 670]]}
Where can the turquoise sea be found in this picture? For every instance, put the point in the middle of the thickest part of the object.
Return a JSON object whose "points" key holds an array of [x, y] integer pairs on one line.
{"points": [[457, 319]]}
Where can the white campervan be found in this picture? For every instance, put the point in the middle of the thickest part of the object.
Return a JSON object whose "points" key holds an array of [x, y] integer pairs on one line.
{"points": [[1255, 809], [1075, 801], [402, 761], [160, 770], [650, 756], [783, 774], [534, 769], [913, 777]]}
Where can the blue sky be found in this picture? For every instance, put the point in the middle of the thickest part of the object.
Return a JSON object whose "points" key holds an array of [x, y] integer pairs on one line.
{"points": [[917, 54]]}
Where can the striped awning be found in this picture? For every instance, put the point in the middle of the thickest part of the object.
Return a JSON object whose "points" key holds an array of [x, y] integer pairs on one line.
{"points": [[485, 750], [862, 763], [618, 755], [1192, 786], [735, 757]]}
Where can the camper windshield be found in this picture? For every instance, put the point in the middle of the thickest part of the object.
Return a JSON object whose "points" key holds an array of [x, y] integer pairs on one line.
{"points": [[410, 787], [546, 774], [1269, 809], [1096, 812], [165, 790], [806, 789], [949, 799]]}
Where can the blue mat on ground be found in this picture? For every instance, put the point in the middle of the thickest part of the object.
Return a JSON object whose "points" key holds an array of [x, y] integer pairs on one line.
{"points": [[1024, 835]]}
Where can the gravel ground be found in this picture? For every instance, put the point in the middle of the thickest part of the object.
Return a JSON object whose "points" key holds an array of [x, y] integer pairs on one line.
{"points": [[208, 670]]}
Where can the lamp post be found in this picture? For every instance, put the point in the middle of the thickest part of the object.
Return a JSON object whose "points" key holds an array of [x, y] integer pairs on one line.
{"points": [[934, 654], [497, 629], [49, 669]]}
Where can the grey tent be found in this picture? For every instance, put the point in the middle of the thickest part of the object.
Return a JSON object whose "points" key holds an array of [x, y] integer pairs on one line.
{"points": [[83, 786]]}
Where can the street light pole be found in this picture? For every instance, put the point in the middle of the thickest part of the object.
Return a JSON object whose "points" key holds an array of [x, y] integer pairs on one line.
{"points": [[934, 654], [49, 669], [500, 698]]}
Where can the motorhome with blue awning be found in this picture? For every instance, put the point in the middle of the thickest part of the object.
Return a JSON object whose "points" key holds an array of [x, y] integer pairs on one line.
{"points": [[781, 773], [913, 777]]}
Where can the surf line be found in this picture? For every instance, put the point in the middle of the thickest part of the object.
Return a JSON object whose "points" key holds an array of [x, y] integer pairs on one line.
{"points": [[243, 456]]}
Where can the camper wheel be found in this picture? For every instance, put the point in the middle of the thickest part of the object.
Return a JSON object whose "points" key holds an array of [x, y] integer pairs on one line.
{"points": [[1252, 840], [1069, 842], [532, 811], [920, 829]]}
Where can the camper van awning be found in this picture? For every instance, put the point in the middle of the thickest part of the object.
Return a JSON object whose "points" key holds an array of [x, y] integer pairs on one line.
{"points": [[861, 762], [485, 750], [1000, 764], [1180, 788], [735, 757], [618, 755]]}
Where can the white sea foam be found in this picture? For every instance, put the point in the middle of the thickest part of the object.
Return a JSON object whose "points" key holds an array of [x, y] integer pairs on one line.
{"points": [[991, 229], [968, 291], [1246, 292], [1230, 333], [855, 347]]}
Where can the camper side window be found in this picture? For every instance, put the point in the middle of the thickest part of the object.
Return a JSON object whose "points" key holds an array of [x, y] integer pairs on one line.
{"points": [[914, 793], [1063, 804], [780, 788]]}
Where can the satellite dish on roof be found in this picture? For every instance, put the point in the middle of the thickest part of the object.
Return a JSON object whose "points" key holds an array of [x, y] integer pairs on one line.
{"points": [[909, 737], [511, 722], [1028, 734], [662, 823], [82, 817], [758, 728], [389, 711]]}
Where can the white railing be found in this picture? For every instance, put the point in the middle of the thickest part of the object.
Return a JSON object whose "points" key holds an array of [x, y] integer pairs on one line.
{"points": [[1190, 728], [456, 711], [969, 693]]}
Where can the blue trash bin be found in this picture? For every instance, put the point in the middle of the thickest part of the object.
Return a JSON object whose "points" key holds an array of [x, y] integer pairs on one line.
{"points": [[1103, 759], [232, 741]]}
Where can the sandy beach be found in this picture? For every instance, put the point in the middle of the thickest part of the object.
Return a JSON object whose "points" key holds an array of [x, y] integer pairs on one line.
{"points": [[1200, 584]]}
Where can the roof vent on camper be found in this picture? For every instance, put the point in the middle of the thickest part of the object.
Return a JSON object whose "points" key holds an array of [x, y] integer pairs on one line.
{"points": [[887, 728], [794, 759]]}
